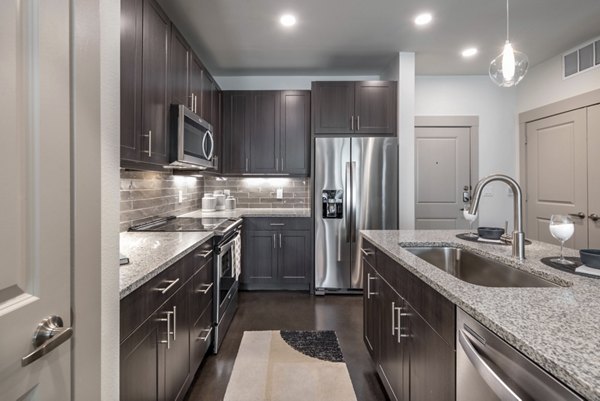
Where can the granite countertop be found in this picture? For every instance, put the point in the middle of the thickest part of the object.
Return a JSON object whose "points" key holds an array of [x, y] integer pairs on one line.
{"points": [[251, 212], [555, 327], [150, 253]]}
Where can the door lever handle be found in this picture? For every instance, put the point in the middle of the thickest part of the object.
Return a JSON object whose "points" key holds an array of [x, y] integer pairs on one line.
{"points": [[49, 334], [581, 215]]}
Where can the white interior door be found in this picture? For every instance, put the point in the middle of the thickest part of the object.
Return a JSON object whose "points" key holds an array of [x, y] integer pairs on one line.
{"points": [[593, 133], [35, 200], [443, 165], [557, 175]]}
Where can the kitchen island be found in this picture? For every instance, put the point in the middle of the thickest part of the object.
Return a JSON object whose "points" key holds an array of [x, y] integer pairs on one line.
{"points": [[555, 327]]}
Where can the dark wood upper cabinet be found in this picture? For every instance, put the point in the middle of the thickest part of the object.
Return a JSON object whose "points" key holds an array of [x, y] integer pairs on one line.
{"points": [[155, 63], [179, 72], [295, 133], [375, 107], [266, 132], [236, 131], [359, 108], [333, 107], [264, 135]]}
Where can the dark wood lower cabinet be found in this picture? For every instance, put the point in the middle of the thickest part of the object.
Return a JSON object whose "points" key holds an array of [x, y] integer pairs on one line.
{"points": [[160, 356], [276, 254], [411, 346]]}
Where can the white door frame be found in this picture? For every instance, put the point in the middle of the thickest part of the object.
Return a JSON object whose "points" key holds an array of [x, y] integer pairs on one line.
{"points": [[95, 108], [471, 122]]}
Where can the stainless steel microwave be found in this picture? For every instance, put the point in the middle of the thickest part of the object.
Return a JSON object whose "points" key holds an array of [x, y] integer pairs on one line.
{"points": [[192, 140]]}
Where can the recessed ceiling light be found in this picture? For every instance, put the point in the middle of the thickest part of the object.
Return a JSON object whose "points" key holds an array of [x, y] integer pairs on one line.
{"points": [[287, 20], [470, 52], [423, 19]]}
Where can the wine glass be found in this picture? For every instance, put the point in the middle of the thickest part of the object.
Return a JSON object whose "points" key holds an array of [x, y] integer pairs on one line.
{"points": [[561, 228], [470, 218]]}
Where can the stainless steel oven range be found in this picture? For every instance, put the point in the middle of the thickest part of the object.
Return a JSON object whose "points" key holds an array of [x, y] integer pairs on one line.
{"points": [[226, 263]]}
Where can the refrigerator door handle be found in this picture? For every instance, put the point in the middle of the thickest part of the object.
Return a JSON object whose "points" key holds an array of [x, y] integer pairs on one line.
{"points": [[353, 208], [347, 197]]}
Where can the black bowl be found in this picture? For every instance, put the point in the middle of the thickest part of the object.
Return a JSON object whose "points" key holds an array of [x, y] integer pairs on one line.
{"points": [[590, 257], [493, 233]]}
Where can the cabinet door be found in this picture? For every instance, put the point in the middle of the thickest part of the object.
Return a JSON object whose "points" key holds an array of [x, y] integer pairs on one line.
{"points": [[593, 175], [260, 257], [371, 310], [179, 68], [393, 345], [264, 134], [196, 84], [131, 78], [154, 84], [333, 107], [432, 362], [205, 110], [294, 256], [141, 366], [295, 133], [236, 131], [375, 107], [177, 356]]}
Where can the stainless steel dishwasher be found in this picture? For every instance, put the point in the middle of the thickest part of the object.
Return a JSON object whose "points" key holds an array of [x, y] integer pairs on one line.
{"points": [[488, 368]]}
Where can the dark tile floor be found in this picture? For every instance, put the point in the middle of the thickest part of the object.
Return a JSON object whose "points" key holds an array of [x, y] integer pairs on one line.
{"points": [[292, 311]]}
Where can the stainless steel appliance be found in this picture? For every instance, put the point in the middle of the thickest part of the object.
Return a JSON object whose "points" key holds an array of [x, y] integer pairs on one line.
{"points": [[192, 143], [488, 369], [227, 251], [356, 188]]}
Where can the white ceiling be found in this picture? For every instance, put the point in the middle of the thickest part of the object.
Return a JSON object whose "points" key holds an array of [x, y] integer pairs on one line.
{"points": [[244, 37]]}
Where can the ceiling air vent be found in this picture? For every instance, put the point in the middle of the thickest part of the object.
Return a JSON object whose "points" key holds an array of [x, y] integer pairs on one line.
{"points": [[581, 59]]}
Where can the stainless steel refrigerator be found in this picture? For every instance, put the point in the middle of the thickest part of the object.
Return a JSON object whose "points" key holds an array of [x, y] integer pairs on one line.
{"points": [[356, 188]]}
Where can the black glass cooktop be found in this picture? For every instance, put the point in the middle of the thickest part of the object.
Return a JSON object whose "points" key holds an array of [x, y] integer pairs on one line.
{"points": [[174, 224]]}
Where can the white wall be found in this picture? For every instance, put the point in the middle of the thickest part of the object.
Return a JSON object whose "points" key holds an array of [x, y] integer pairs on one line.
{"points": [[544, 85], [282, 82], [496, 109], [402, 69]]}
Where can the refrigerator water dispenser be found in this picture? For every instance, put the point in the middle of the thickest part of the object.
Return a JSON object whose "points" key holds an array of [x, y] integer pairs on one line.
{"points": [[333, 203]]}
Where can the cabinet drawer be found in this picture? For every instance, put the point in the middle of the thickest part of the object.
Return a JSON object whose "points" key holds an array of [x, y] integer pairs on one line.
{"points": [[199, 257], [202, 290], [276, 223], [368, 252], [201, 337], [435, 309]]}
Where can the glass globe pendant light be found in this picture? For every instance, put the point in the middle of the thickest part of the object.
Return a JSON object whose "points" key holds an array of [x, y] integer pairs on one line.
{"points": [[509, 68]]}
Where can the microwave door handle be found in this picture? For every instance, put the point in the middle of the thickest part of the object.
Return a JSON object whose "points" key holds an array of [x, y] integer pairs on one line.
{"points": [[209, 135]]}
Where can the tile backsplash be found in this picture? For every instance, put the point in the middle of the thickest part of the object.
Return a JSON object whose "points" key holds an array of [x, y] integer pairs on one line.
{"points": [[148, 194], [261, 192]]}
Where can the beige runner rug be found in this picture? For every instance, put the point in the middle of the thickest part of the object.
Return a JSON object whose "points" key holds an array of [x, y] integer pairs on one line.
{"points": [[289, 366]]}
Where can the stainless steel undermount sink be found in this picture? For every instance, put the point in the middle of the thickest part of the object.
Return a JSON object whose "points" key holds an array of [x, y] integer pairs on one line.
{"points": [[476, 269]]}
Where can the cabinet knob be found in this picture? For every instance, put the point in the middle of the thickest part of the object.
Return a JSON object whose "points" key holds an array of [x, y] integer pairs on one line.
{"points": [[594, 217]]}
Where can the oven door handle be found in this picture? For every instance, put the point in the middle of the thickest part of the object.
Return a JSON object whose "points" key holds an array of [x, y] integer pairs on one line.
{"points": [[225, 247]]}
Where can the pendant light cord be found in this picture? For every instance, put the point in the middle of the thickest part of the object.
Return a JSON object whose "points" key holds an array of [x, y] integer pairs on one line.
{"points": [[507, 16]]}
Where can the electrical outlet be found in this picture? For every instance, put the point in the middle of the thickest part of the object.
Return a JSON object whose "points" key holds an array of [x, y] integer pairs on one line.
{"points": [[180, 196], [279, 193]]}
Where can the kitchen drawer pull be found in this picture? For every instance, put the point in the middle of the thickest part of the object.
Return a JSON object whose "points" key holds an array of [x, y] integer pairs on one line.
{"points": [[204, 254], [369, 278], [394, 318], [206, 290], [367, 252], [167, 288], [277, 224], [207, 336]]}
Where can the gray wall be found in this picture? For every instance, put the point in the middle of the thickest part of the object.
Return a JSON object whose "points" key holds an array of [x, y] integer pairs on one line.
{"points": [[147, 194], [261, 192]]}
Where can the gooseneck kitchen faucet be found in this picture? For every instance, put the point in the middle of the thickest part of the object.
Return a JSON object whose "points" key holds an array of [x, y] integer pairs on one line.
{"points": [[518, 240]]}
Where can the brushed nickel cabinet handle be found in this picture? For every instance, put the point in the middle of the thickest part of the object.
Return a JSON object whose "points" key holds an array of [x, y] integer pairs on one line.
{"points": [[352, 123], [49, 334], [246, 164], [279, 241], [149, 136], [204, 254], [367, 252], [277, 224], [167, 288], [207, 336], [205, 290], [168, 320], [174, 323], [358, 123], [393, 318], [274, 242]]}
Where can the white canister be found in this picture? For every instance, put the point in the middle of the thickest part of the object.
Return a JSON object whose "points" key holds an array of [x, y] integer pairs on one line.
{"points": [[220, 197], [230, 203], [209, 203]]}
